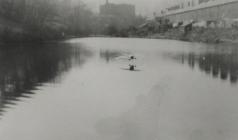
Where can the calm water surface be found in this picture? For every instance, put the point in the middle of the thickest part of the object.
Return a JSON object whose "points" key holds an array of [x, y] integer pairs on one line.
{"points": [[81, 89]]}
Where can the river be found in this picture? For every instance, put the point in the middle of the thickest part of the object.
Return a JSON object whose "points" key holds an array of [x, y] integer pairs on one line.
{"points": [[82, 89]]}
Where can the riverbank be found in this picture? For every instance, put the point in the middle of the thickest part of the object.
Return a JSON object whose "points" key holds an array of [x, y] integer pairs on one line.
{"points": [[18, 34], [204, 35]]}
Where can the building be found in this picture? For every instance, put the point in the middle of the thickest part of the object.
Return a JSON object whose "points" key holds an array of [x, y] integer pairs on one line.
{"points": [[202, 10], [120, 10], [122, 15]]}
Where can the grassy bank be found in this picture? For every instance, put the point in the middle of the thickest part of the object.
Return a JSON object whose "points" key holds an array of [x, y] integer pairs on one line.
{"points": [[205, 35]]}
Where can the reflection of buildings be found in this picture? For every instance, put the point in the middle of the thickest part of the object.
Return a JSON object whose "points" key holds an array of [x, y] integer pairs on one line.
{"points": [[221, 66], [121, 15]]}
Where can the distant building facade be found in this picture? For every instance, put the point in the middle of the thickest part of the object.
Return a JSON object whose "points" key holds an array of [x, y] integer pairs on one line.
{"points": [[121, 10], [199, 10], [121, 15]]}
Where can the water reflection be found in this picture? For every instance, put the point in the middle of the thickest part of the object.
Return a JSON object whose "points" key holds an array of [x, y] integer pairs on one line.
{"points": [[109, 55], [24, 68], [223, 66]]}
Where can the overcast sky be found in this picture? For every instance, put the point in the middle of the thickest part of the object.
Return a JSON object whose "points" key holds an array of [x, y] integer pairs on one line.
{"points": [[144, 7]]}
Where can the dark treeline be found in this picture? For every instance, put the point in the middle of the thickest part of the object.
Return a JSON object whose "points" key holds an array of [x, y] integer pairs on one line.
{"points": [[38, 20], [42, 20]]}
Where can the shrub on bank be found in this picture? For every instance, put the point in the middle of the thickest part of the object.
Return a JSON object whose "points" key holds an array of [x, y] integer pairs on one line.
{"points": [[200, 34], [207, 35], [9, 35]]}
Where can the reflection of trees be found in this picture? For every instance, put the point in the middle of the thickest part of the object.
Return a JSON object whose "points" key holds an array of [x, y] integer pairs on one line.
{"points": [[224, 66], [109, 55], [24, 68]]}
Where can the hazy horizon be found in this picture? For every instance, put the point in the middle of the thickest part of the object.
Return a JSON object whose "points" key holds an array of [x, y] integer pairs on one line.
{"points": [[143, 7]]}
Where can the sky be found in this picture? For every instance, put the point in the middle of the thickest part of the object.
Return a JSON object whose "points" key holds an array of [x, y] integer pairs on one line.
{"points": [[143, 7]]}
